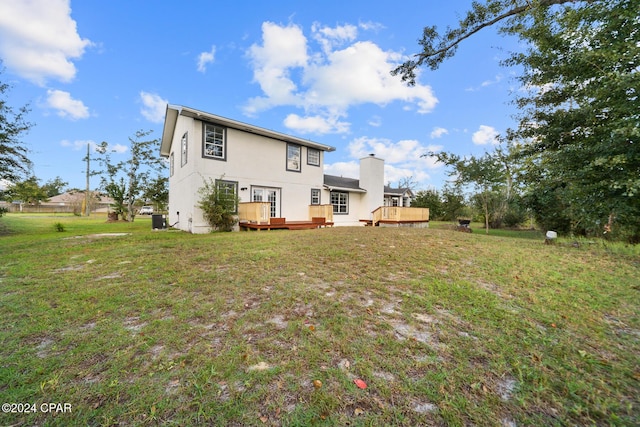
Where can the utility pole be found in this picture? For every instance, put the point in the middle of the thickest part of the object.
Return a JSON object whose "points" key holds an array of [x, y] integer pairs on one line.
{"points": [[87, 206]]}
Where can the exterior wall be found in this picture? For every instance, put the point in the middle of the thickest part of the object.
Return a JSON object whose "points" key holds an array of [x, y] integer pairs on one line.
{"points": [[251, 161], [353, 217]]}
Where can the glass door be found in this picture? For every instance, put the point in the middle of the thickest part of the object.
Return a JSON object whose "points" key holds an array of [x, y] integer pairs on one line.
{"points": [[265, 194]]}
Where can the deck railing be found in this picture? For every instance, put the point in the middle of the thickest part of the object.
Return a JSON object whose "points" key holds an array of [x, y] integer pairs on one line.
{"points": [[256, 212], [325, 211], [400, 214]]}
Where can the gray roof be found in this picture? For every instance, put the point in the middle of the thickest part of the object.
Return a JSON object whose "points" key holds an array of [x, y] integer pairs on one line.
{"points": [[333, 182], [173, 111], [397, 191]]}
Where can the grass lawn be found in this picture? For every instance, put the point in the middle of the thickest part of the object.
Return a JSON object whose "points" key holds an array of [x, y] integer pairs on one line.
{"points": [[273, 328]]}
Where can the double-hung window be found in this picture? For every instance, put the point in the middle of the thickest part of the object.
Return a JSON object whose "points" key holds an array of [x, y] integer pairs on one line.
{"points": [[227, 194], [293, 157], [214, 144], [313, 157], [340, 202], [315, 196]]}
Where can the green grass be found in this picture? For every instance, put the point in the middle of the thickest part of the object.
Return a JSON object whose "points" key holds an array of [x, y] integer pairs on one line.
{"points": [[446, 328]]}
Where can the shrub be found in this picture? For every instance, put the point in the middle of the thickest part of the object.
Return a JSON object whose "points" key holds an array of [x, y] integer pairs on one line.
{"points": [[218, 202], [59, 226]]}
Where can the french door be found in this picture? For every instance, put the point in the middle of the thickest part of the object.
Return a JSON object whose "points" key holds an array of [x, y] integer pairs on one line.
{"points": [[266, 194]]}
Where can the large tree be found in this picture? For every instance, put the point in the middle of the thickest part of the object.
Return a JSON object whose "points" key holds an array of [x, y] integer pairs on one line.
{"points": [[126, 180], [14, 162], [579, 124]]}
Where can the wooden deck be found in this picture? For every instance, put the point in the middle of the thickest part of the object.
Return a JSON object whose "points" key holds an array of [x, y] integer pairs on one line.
{"points": [[283, 224]]}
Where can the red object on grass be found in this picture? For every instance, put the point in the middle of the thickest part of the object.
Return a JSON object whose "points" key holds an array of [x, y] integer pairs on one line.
{"points": [[361, 384]]}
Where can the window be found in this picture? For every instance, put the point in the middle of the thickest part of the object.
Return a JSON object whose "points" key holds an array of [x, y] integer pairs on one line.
{"points": [[183, 147], [340, 202], [228, 191], [171, 163], [315, 196], [214, 142], [313, 157], [293, 157]]}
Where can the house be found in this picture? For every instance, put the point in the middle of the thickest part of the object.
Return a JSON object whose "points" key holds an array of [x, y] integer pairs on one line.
{"points": [[274, 175]]}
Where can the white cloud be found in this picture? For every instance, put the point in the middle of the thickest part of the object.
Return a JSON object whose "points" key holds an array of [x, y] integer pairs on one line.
{"points": [[118, 148], [39, 39], [282, 49], [153, 107], [315, 124], [403, 159], [497, 79], [438, 132], [375, 121], [206, 58], [67, 107], [330, 37], [345, 169], [326, 83], [485, 135]]}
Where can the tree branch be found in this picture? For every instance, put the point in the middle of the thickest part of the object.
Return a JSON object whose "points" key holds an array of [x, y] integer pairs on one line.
{"points": [[434, 56]]}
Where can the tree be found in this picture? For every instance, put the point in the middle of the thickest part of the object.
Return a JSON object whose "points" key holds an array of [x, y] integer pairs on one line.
{"points": [[583, 64], [453, 204], [436, 47], [55, 186], [157, 191], [431, 199], [484, 173], [580, 120], [14, 162], [125, 181], [27, 192]]}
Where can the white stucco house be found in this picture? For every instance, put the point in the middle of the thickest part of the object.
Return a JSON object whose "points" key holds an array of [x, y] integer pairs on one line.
{"points": [[282, 173]]}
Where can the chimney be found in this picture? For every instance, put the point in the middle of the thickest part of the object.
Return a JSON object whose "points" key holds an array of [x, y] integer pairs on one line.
{"points": [[372, 180]]}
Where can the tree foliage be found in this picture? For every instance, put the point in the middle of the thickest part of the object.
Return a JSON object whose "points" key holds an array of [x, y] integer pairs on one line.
{"points": [[579, 121], [219, 204], [490, 177], [14, 162], [125, 181], [27, 191], [437, 47]]}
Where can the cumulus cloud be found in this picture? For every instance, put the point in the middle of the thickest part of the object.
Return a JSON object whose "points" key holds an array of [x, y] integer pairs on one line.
{"points": [[315, 124], [206, 58], [438, 132], [67, 107], [153, 107], [485, 135], [39, 39], [403, 159], [325, 83]]}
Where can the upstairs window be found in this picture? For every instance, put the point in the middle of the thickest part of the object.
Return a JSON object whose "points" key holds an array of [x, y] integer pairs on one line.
{"points": [[183, 148], [293, 157], [171, 163], [215, 146], [313, 157]]}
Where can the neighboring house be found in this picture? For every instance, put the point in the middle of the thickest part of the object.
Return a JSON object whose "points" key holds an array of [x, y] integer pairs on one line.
{"points": [[283, 172], [397, 196]]}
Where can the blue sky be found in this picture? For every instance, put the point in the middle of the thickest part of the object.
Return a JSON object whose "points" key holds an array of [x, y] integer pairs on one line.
{"points": [[100, 71]]}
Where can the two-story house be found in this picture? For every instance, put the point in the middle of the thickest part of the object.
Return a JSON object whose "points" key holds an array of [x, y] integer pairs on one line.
{"points": [[259, 165]]}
